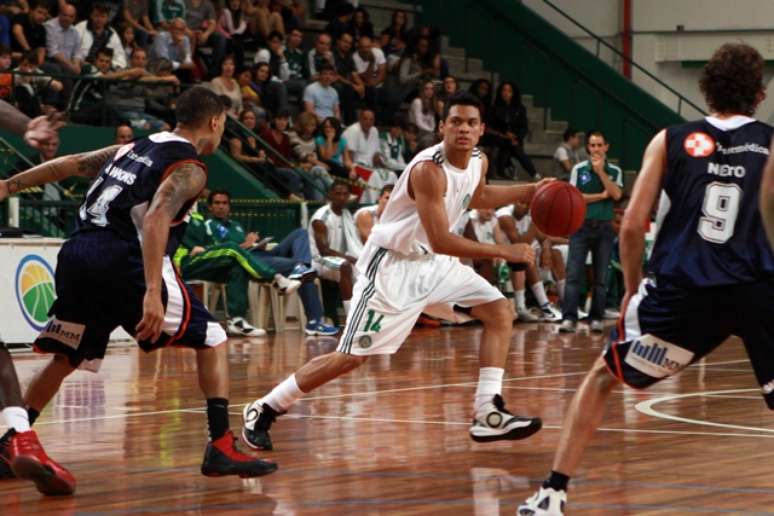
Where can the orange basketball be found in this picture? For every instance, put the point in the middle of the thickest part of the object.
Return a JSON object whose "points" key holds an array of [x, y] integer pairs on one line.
{"points": [[558, 209]]}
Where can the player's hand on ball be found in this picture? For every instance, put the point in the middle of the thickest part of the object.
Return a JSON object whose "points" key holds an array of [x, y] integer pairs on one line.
{"points": [[519, 253], [543, 182], [149, 328]]}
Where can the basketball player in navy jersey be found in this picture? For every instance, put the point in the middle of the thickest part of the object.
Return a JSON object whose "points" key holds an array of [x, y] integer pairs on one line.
{"points": [[116, 269], [711, 273]]}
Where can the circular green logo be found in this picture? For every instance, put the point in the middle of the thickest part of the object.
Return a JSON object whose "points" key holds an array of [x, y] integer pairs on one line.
{"points": [[35, 290]]}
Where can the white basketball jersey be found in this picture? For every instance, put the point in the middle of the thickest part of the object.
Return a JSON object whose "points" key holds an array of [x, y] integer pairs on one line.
{"points": [[400, 229], [372, 209], [335, 226], [484, 229]]}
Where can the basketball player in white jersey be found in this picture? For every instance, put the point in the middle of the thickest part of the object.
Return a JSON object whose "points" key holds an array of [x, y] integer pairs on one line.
{"points": [[411, 261], [368, 216]]}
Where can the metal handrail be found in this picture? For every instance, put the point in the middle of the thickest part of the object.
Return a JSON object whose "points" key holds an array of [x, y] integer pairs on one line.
{"points": [[681, 99]]}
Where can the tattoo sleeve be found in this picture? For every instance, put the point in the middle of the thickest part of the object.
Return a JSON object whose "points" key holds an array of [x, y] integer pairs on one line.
{"points": [[181, 186], [90, 163]]}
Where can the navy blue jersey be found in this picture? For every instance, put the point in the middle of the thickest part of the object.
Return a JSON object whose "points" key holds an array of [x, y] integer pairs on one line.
{"points": [[710, 231], [123, 190]]}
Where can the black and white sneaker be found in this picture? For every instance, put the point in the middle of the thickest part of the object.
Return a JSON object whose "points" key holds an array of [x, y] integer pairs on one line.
{"points": [[550, 313], [239, 327], [257, 419], [284, 285], [546, 502], [493, 423]]}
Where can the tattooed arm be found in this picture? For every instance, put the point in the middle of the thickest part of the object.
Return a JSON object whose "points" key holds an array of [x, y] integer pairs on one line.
{"points": [[183, 184], [87, 164]]}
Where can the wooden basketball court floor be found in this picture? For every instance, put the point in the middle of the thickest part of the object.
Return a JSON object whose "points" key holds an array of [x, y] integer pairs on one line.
{"points": [[391, 437]]}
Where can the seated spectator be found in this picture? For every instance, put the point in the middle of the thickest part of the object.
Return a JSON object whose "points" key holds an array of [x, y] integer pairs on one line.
{"points": [[411, 137], [218, 250], [335, 242], [164, 11], [449, 88], [320, 98], [398, 25], [340, 20], [128, 41], [6, 78], [363, 141], [482, 226], [349, 85], [304, 146], [250, 98], [29, 34], [507, 125], [8, 10], [201, 20], [95, 34], [568, 153], [275, 134], [34, 87], [422, 114], [418, 64], [225, 84], [360, 24], [264, 21], [137, 14], [297, 66], [371, 66], [272, 92], [515, 222], [368, 216], [124, 133], [332, 149], [175, 46], [274, 55], [394, 49], [393, 147], [321, 53], [62, 43], [233, 25]]}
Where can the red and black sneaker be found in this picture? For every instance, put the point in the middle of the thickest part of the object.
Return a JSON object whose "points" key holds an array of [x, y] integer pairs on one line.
{"points": [[223, 458], [5, 459], [30, 462]]}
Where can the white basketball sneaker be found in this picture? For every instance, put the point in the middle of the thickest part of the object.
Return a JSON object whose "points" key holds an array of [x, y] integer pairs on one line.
{"points": [[550, 313], [546, 502], [493, 423]]}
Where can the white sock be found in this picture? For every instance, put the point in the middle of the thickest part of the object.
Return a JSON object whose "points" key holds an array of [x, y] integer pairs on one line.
{"points": [[490, 382], [540, 293], [521, 303], [560, 288], [17, 418], [284, 395], [346, 305]]}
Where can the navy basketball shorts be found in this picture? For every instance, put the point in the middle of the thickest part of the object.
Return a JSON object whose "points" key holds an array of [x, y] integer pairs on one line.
{"points": [[100, 285], [666, 328]]}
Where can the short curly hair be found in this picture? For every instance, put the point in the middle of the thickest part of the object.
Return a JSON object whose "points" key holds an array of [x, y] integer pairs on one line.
{"points": [[732, 80]]}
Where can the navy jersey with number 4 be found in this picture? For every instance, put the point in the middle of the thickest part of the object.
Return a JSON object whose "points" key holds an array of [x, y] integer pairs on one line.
{"points": [[122, 192], [710, 231]]}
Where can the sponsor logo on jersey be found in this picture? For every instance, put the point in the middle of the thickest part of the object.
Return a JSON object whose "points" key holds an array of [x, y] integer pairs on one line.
{"points": [[724, 170], [35, 291], [747, 147], [365, 342], [699, 145], [657, 358], [145, 160], [68, 333]]}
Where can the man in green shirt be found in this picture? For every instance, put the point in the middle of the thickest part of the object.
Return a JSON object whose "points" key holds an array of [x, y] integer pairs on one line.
{"points": [[601, 184]]}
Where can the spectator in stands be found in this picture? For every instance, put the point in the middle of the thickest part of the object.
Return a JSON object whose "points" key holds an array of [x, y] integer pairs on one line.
{"points": [[398, 25], [320, 98], [233, 25], [335, 242], [250, 97], [6, 78], [137, 14], [304, 146], [371, 66], [449, 88], [201, 20], [340, 21], [297, 66], [163, 12], [62, 43], [124, 133], [363, 141], [567, 154], [394, 49], [482, 89], [368, 216], [95, 35], [175, 46], [508, 126], [393, 146], [225, 84], [332, 149], [418, 65], [349, 85], [32, 91], [264, 21], [482, 226], [321, 53], [29, 34], [9, 9], [601, 184], [411, 137], [275, 134], [360, 24], [272, 91], [87, 103], [422, 113], [128, 41], [274, 55]]}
